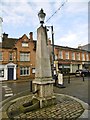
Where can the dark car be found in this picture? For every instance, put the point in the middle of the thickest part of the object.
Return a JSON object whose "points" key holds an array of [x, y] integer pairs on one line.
{"points": [[82, 73], [85, 73]]}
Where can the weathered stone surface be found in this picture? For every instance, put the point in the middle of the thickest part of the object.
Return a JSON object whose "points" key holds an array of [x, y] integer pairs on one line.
{"points": [[43, 82], [43, 67]]}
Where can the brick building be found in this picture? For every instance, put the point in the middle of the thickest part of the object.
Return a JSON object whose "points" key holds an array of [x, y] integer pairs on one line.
{"points": [[72, 58], [17, 58]]}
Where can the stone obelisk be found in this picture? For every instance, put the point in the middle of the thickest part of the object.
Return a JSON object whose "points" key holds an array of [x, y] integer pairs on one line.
{"points": [[43, 82]]}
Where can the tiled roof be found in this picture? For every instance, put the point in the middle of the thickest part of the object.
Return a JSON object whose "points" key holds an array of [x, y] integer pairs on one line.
{"points": [[86, 47], [8, 43], [69, 48]]}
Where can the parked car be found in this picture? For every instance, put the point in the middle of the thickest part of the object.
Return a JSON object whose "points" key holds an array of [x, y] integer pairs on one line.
{"points": [[85, 73], [78, 73], [82, 73]]}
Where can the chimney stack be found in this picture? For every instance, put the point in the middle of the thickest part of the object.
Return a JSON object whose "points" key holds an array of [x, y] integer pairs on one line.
{"points": [[5, 35], [31, 36]]}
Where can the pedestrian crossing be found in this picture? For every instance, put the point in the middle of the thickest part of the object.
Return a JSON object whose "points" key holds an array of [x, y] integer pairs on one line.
{"points": [[8, 91]]}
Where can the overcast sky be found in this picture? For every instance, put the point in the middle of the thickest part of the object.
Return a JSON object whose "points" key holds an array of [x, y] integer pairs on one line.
{"points": [[70, 22]]}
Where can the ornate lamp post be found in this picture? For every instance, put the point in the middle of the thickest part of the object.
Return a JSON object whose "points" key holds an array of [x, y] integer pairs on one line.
{"points": [[41, 16], [43, 82]]}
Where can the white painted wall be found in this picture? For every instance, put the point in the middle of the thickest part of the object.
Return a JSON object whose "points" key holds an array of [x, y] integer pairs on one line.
{"points": [[5, 67]]}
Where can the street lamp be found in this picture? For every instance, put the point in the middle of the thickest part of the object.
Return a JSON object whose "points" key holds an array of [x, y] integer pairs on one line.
{"points": [[41, 16]]}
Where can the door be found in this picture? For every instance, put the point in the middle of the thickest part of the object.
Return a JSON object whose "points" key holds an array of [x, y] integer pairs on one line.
{"points": [[10, 73]]}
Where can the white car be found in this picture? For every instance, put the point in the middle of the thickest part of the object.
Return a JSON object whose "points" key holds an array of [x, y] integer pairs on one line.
{"points": [[78, 73]]}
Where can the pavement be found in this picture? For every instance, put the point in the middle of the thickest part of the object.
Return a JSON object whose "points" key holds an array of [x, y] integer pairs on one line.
{"points": [[67, 107]]}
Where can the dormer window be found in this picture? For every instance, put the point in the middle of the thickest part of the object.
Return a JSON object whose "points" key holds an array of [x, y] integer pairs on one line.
{"points": [[24, 44]]}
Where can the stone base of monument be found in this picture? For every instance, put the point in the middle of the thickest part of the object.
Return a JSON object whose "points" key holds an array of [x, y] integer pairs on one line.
{"points": [[47, 102], [44, 91]]}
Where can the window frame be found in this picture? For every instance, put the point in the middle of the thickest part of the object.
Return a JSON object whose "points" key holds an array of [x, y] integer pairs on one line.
{"points": [[2, 72], [87, 57], [73, 55], [61, 54], [25, 44], [77, 56], [33, 70], [25, 56], [67, 55], [24, 71], [10, 56], [1, 56]]}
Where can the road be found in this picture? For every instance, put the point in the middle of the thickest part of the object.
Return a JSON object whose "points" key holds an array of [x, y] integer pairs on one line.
{"points": [[77, 88], [11, 88]]}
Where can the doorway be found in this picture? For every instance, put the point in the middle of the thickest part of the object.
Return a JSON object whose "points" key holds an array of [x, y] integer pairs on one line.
{"points": [[10, 73]]}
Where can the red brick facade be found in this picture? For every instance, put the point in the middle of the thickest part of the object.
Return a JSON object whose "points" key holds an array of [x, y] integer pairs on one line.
{"points": [[18, 57]]}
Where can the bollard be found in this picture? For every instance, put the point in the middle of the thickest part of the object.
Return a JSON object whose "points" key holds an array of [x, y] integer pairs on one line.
{"points": [[69, 78], [30, 86], [83, 77]]}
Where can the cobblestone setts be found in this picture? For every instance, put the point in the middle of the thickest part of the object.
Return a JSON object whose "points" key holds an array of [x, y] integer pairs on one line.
{"points": [[65, 109]]}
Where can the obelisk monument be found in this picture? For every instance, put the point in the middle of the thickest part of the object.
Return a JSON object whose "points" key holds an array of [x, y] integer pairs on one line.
{"points": [[43, 82]]}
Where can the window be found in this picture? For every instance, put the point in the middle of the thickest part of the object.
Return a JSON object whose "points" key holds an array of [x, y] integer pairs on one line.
{"points": [[67, 55], [24, 71], [56, 57], [61, 54], [0, 56], [73, 56], [87, 58], [24, 44], [83, 56], [10, 56], [24, 56], [1, 72], [33, 70], [77, 56]]}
